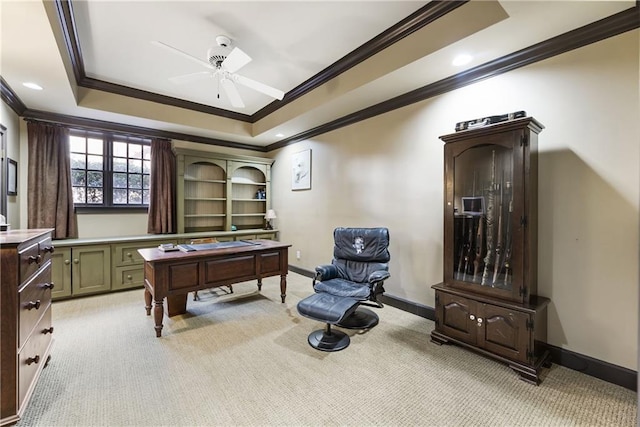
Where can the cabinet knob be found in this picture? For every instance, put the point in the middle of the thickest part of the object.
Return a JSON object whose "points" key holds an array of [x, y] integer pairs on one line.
{"points": [[129, 254], [32, 304], [35, 259], [479, 321], [50, 249], [48, 330], [48, 285], [128, 277], [75, 261], [472, 317], [67, 262], [35, 359]]}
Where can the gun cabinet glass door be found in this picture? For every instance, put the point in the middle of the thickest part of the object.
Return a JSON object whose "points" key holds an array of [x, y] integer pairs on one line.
{"points": [[481, 208]]}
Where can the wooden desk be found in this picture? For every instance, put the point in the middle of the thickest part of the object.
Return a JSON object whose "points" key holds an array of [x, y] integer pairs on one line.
{"points": [[174, 274]]}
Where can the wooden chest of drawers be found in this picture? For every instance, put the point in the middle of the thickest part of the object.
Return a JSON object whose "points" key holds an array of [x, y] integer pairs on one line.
{"points": [[25, 309]]}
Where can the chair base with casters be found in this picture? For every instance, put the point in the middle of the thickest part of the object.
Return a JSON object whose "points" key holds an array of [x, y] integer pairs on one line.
{"points": [[362, 318], [331, 310]]}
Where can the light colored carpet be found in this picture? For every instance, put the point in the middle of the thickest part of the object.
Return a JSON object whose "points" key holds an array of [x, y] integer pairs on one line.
{"points": [[243, 359]]}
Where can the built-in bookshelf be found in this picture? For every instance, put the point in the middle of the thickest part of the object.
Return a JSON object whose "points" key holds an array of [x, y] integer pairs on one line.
{"points": [[216, 192]]}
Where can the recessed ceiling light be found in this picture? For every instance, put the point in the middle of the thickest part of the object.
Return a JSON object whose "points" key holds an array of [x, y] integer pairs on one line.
{"points": [[279, 135], [31, 85], [462, 60]]}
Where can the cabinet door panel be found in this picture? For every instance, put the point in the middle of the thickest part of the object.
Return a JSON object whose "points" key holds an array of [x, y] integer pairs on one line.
{"points": [[91, 269], [455, 317], [61, 273], [505, 332]]}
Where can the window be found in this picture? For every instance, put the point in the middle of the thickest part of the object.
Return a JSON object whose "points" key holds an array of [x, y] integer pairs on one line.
{"points": [[109, 170]]}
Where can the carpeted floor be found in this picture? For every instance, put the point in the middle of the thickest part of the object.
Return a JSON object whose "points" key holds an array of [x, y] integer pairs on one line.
{"points": [[243, 359]]}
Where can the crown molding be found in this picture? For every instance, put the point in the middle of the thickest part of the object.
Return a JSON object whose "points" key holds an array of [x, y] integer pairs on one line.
{"points": [[423, 16], [608, 27], [10, 98], [93, 124], [420, 18]]}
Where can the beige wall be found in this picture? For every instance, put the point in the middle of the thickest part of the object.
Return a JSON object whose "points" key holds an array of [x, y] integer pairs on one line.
{"points": [[10, 120], [387, 171]]}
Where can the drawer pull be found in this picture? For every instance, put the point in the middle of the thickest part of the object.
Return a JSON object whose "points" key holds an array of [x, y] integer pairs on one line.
{"points": [[50, 249], [76, 260], [129, 277], [35, 259], [32, 304], [129, 254], [48, 330], [67, 262], [35, 359], [48, 285]]}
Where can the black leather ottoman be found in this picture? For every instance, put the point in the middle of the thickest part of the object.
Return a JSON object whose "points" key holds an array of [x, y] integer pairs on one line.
{"points": [[332, 310]]}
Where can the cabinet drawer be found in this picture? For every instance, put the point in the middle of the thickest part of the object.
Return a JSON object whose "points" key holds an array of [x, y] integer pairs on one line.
{"points": [[128, 277], [33, 255], [270, 263], [35, 299], [127, 253], [266, 236], [33, 355]]}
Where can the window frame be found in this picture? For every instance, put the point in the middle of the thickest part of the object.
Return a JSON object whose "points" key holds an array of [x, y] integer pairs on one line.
{"points": [[108, 139]]}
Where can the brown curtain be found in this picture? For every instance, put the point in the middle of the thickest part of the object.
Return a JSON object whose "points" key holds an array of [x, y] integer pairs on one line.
{"points": [[50, 200], [162, 200]]}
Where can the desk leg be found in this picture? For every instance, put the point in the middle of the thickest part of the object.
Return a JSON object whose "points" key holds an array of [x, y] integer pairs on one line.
{"points": [[158, 314], [176, 304], [283, 287], [147, 301]]}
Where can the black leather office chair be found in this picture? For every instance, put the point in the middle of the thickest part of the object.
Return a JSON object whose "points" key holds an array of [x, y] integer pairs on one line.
{"points": [[354, 279]]}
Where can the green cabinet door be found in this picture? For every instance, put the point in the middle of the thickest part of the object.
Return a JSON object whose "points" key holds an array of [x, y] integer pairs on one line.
{"points": [[91, 269], [61, 273]]}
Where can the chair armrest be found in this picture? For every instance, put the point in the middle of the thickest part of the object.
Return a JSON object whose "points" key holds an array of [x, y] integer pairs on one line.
{"points": [[379, 276], [326, 272]]}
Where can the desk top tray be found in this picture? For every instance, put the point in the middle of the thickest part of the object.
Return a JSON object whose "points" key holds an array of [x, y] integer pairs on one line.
{"points": [[212, 249], [218, 245]]}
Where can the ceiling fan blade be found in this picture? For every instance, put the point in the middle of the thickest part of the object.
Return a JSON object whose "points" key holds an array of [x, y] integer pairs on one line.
{"points": [[186, 78], [235, 60], [184, 54], [232, 92], [260, 87]]}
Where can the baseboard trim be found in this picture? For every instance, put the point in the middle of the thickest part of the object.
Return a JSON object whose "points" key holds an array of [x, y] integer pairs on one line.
{"points": [[409, 306], [614, 374], [605, 371]]}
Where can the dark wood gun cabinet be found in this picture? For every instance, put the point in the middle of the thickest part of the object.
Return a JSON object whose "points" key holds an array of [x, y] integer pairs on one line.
{"points": [[487, 300]]}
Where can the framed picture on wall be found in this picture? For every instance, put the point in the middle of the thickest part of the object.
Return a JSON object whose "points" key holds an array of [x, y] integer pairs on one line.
{"points": [[12, 177], [301, 170]]}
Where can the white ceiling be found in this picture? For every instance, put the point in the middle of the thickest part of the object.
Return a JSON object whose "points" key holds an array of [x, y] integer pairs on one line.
{"points": [[289, 42]]}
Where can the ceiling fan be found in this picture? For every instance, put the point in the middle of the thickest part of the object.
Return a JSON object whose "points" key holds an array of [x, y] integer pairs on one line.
{"points": [[223, 65]]}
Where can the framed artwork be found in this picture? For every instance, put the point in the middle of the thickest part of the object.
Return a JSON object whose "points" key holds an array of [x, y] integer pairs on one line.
{"points": [[301, 170], [12, 177]]}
